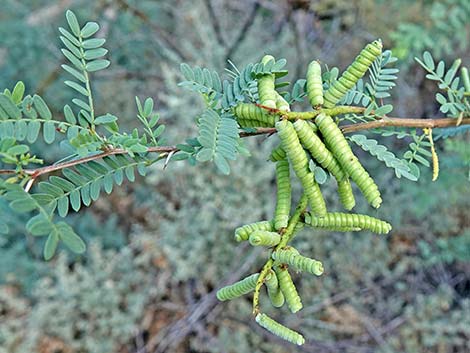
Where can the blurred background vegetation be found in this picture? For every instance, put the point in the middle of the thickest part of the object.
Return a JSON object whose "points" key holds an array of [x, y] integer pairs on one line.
{"points": [[160, 246]]}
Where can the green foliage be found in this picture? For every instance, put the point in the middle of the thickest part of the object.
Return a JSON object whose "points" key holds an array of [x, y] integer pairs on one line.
{"points": [[383, 154], [455, 103], [218, 138], [186, 243], [441, 29]]}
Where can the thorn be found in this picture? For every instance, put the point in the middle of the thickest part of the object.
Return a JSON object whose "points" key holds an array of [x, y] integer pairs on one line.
{"points": [[167, 160], [29, 185]]}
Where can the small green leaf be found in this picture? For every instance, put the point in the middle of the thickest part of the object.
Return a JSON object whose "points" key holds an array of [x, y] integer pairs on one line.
{"points": [[89, 29], [204, 155], [69, 115], [63, 206], [97, 65], [105, 119], [18, 92], [73, 22], [72, 58], [138, 148], [75, 73], [383, 110], [95, 53], [414, 170], [9, 107], [23, 205], [221, 164], [428, 61], [39, 225], [148, 107], [77, 87], [18, 149], [185, 148], [320, 175], [70, 238], [81, 104], [48, 132], [51, 245], [75, 200], [41, 107], [69, 36], [93, 43]]}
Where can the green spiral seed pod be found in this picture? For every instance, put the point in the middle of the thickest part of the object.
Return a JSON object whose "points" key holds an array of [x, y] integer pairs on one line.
{"points": [[281, 103], [346, 195], [340, 148], [298, 262], [279, 330], [314, 195], [317, 149], [274, 291], [352, 74], [288, 289], [264, 238], [465, 79], [266, 86], [283, 202], [299, 160], [243, 233], [314, 84], [277, 154], [290, 249], [248, 111], [342, 220], [238, 289], [252, 123]]}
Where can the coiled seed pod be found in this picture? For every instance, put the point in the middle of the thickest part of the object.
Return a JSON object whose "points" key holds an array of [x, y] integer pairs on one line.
{"points": [[317, 149], [277, 154], [281, 103], [239, 288], [243, 233], [352, 74], [251, 123], [351, 165], [465, 79], [266, 89], [264, 238], [279, 330], [288, 289], [346, 195], [298, 158], [283, 202], [314, 84], [298, 262], [290, 249], [248, 111], [274, 291], [341, 220]]}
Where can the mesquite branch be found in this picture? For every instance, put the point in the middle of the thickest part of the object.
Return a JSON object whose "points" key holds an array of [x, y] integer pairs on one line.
{"points": [[379, 123]]}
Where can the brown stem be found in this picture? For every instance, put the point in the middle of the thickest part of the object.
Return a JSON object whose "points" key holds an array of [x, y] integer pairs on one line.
{"points": [[384, 122], [404, 122]]}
